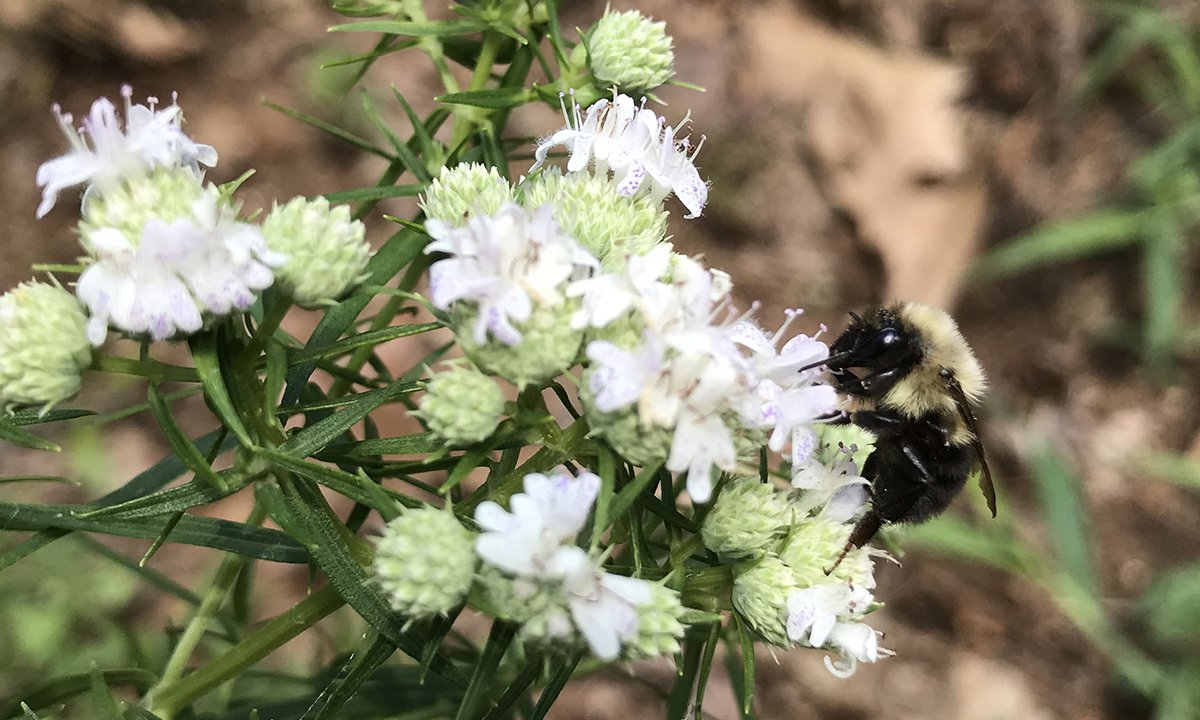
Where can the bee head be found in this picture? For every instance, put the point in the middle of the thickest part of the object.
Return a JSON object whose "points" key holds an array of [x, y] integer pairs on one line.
{"points": [[881, 344]]}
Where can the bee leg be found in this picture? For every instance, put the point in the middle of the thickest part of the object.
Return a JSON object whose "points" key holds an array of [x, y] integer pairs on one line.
{"points": [[863, 531], [878, 422]]}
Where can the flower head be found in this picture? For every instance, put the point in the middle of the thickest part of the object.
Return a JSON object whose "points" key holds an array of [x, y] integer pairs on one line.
{"points": [[43, 345], [760, 593], [630, 51], [504, 264], [159, 275], [551, 511], [462, 405], [326, 250], [746, 517], [464, 190], [611, 226], [636, 146], [106, 150], [425, 563]]}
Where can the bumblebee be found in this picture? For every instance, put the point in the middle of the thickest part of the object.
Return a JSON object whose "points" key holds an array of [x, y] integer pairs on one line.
{"points": [[913, 381]]}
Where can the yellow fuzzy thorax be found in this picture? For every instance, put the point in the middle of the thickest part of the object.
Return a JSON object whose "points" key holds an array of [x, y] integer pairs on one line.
{"points": [[924, 390]]}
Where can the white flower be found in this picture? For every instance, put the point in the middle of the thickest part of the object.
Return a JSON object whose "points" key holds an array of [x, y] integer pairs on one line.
{"points": [[505, 263], [826, 616], [636, 146], [103, 152], [837, 485], [857, 642], [603, 606], [619, 377], [524, 539], [161, 283]]}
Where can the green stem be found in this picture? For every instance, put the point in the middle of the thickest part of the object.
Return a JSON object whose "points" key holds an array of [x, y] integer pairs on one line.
{"points": [[272, 317], [266, 639], [148, 368], [231, 566], [466, 117]]}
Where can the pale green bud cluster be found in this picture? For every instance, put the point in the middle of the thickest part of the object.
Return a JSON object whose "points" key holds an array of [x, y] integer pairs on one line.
{"points": [[659, 629], [631, 51], [326, 250], [814, 544], [548, 347], [43, 345], [425, 562], [640, 444], [541, 611], [746, 518], [589, 209], [760, 594], [463, 190], [462, 405], [165, 194]]}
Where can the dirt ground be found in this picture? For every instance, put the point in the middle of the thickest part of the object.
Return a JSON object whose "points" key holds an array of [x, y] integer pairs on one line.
{"points": [[859, 151]]}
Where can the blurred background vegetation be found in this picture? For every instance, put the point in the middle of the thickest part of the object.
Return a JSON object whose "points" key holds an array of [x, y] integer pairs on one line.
{"points": [[1032, 164]]}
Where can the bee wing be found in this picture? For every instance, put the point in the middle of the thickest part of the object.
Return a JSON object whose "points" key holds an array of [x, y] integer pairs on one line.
{"points": [[968, 417]]}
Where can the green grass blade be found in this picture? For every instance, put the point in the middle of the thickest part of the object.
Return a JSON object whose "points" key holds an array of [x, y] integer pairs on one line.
{"points": [[1067, 240], [1065, 515]]}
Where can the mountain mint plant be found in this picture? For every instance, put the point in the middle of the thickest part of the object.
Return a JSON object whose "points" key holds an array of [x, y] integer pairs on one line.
{"points": [[614, 462]]}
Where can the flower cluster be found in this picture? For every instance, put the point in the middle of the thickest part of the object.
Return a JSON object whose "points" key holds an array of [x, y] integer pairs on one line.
{"points": [[166, 252], [792, 583], [531, 572]]}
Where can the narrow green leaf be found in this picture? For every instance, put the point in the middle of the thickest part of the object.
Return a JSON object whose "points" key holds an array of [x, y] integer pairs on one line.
{"points": [[182, 446], [405, 153], [68, 686], [1059, 494], [164, 502], [742, 660], [1101, 231], [953, 537], [30, 545], [234, 537], [355, 487], [208, 365], [628, 494], [152, 577], [337, 132], [500, 637], [303, 510], [161, 539], [558, 680], [516, 689], [395, 254], [370, 338], [415, 444], [314, 438], [494, 98], [33, 417], [23, 438], [381, 192], [680, 698], [435, 28], [362, 665], [104, 704], [38, 479], [706, 663]]}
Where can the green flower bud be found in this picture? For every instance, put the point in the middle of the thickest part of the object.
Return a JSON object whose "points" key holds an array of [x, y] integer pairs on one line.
{"points": [[462, 405], [589, 209], [548, 347], [43, 345], [631, 51], [747, 516], [326, 251], [462, 190], [541, 610], [760, 593], [814, 545], [425, 562], [659, 629], [166, 194]]}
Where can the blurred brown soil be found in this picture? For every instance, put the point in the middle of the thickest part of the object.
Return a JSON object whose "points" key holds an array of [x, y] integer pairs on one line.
{"points": [[859, 151]]}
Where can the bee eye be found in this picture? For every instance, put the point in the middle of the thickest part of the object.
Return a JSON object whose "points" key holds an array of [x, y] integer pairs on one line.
{"points": [[882, 342]]}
